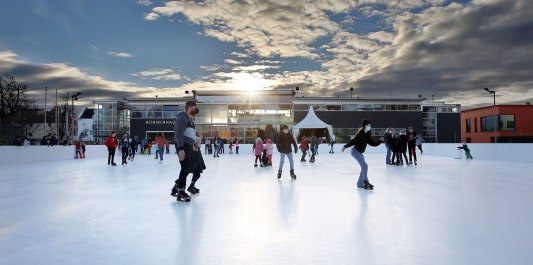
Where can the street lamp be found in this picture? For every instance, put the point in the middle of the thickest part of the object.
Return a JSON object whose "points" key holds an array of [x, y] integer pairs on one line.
{"points": [[494, 110], [297, 89], [351, 91], [74, 97]]}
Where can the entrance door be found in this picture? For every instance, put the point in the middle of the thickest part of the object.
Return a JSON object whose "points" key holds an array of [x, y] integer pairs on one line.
{"points": [[169, 135]]}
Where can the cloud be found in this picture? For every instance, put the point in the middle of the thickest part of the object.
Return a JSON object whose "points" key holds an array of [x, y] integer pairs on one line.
{"points": [[64, 78], [121, 54], [211, 68], [160, 74], [253, 68], [231, 61], [145, 2]]}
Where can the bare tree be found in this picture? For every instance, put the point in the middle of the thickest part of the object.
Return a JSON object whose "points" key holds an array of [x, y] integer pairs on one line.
{"points": [[13, 97]]}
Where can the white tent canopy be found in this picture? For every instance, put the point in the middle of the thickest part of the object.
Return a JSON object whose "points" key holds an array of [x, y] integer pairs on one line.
{"points": [[311, 121]]}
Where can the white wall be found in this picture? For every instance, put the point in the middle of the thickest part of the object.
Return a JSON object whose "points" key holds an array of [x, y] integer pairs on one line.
{"points": [[504, 152]]}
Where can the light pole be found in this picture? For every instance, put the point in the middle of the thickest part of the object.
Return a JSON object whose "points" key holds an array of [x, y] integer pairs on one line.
{"points": [[74, 97], [45, 93], [297, 89], [351, 92], [494, 110]]}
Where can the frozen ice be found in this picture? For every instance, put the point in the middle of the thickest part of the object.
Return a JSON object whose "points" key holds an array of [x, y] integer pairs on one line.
{"points": [[443, 211]]}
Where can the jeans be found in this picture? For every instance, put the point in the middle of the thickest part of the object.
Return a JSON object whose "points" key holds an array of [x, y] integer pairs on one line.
{"points": [[364, 167], [111, 155], [387, 159], [161, 151], [282, 160]]}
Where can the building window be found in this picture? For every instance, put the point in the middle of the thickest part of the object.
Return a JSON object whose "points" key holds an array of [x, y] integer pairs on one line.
{"points": [[487, 124], [349, 107], [414, 107], [467, 125], [468, 140], [506, 123], [475, 125]]}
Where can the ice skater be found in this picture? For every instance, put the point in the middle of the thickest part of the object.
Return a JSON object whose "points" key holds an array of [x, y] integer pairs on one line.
{"points": [[111, 142], [388, 139], [411, 144], [78, 150], [185, 136], [161, 143], [304, 146], [125, 147], [419, 142], [198, 166], [359, 142], [331, 144], [283, 144], [269, 151], [467, 151], [258, 151]]}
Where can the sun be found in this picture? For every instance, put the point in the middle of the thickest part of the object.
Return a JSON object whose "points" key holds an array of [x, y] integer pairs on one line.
{"points": [[249, 82]]}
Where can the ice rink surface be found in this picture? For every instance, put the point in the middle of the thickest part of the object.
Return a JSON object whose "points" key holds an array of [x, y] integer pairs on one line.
{"points": [[444, 211]]}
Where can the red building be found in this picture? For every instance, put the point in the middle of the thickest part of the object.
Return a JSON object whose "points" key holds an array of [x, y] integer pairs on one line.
{"points": [[514, 124]]}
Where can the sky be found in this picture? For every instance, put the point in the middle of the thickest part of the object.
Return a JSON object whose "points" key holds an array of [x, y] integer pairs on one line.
{"points": [[381, 48]]}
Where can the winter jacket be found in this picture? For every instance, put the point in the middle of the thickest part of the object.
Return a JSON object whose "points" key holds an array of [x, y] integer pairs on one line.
{"points": [[403, 143], [395, 144], [125, 143], [420, 140], [284, 141], [388, 138], [303, 145], [360, 141], [258, 148], [184, 130], [269, 148], [111, 141], [465, 147], [161, 141]]}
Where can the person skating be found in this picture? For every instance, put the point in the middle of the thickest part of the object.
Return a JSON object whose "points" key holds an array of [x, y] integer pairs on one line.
{"points": [[125, 146], [284, 141], [331, 144], [78, 150], [161, 143], [198, 166], [269, 151], [83, 148], [388, 138], [313, 145], [258, 151], [403, 147], [111, 142], [395, 145], [419, 141], [359, 142], [236, 146], [133, 146], [304, 146], [411, 144], [185, 138], [467, 151]]}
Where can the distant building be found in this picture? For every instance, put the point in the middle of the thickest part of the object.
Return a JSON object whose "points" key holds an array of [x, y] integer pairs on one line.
{"points": [[514, 124], [84, 130], [242, 114]]}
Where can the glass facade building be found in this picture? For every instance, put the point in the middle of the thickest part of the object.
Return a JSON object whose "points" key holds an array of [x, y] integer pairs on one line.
{"points": [[245, 115]]}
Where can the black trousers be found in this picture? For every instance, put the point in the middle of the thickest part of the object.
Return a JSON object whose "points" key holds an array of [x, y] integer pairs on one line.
{"points": [[124, 154], [186, 166], [111, 155]]}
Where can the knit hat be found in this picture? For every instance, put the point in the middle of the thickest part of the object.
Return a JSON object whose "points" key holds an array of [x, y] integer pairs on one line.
{"points": [[269, 141], [365, 122]]}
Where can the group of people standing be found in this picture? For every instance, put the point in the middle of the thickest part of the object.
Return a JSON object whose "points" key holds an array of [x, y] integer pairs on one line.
{"points": [[398, 144]]}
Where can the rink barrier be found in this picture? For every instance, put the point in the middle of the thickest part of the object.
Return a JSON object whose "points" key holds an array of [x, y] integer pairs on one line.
{"points": [[502, 152]]}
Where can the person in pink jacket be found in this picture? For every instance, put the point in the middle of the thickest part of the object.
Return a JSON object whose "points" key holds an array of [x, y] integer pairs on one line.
{"points": [[258, 151], [269, 147]]}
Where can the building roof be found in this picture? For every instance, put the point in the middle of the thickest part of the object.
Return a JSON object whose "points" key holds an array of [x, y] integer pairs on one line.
{"points": [[497, 106], [86, 114]]}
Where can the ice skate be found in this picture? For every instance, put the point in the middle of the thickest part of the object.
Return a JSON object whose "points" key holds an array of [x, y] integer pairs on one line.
{"points": [[174, 191], [368, 186], [192, 189], [279, 174], [183, 196], [303, 160], [293, 176], [255, 165]]}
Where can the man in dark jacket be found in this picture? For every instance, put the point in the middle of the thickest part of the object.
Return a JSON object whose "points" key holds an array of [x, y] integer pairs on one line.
{"points": [[283, 142], [185, 138], [388, 140], [359, 142]]}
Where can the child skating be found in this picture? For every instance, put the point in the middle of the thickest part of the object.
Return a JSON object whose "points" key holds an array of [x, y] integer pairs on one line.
{"points": [[283, 143], [467, 151], [258, 151]]}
